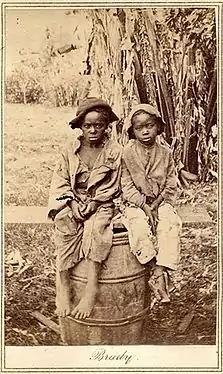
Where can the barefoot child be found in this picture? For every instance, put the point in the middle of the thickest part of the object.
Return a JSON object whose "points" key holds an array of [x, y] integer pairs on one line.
{"points": [[149, 187], [84, 183]]}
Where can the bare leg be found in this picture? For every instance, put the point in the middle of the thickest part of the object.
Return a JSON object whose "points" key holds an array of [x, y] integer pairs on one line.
{"points": [[159, 284], [63, 293], [86, 304]]}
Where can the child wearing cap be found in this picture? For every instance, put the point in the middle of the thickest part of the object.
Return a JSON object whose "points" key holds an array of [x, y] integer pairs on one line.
{"points": [[149, 187], [84, 184]]}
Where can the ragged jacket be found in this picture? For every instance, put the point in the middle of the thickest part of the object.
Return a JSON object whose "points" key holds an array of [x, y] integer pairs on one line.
{"points": [[147, 172], [104, 180]]}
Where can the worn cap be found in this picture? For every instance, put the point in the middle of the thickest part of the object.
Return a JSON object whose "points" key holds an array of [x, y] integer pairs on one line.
{"points": [[148, 109], [86, 106]]}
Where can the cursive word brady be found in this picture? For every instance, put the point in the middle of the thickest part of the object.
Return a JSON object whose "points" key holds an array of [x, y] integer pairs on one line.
{"points": [[102, 354]]}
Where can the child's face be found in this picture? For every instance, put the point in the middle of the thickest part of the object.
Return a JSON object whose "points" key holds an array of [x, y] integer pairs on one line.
{"points": [[145, 128], [93, 127]]}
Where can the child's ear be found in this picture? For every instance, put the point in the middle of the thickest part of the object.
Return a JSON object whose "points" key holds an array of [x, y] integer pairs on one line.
{"points": [[108, 130]]}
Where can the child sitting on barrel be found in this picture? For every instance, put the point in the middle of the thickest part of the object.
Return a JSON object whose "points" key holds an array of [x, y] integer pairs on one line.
{"points": [[149, 187], [84, 183]]}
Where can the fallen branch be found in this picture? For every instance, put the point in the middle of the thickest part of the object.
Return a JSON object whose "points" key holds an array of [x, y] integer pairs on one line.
{"points": [[26, 286], [31, 278], [46, 321]]}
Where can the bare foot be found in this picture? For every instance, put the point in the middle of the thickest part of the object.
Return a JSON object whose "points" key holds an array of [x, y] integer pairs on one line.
{"points": [[63, 304], [86, 304], [63, 296]]}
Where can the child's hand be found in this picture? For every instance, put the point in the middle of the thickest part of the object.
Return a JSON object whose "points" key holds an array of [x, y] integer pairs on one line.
{"points": [[156, 203], [52, 214], [89, 209], [149, 214], [154, 208], [76, 211], [154, 211]]}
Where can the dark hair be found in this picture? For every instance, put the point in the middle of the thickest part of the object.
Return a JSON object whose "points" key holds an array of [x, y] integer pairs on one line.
{"points": [[104, 112], [157, 120]]}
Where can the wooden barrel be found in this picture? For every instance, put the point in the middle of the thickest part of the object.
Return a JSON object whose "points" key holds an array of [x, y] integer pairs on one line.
{"points": [[122, 304]]}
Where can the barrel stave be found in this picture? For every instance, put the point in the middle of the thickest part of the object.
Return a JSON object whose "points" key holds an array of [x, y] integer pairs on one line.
{"points": [[122, 303]]}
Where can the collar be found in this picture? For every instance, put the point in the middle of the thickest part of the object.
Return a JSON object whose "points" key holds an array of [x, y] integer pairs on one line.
{"points": [[145, 148]]}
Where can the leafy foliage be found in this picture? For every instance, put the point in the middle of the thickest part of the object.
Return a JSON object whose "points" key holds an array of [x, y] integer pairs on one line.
{"points": [[162, 56], [171, 53], [49, 77]]}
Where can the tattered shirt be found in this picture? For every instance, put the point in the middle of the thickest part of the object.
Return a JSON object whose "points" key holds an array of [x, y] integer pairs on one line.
{"points": [[148, 172]]}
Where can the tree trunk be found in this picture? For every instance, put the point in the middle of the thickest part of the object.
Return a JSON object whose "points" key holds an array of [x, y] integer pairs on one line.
{"points": [[141, 86], [210, 119], [165, 103]]}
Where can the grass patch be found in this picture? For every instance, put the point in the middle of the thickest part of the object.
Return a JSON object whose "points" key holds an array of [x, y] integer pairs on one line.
{"points": [[33, 289], [33, 136]]}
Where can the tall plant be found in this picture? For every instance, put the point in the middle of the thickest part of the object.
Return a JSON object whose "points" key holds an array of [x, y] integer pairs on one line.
{"points": [[188, 48], [165, 57]]}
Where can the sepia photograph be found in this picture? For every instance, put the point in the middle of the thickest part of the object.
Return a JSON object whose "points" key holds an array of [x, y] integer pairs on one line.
{"points": [[111, 150]]}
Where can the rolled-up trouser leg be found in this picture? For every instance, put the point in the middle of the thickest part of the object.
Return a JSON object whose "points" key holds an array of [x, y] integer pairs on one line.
{"points": [[140, 235], [98, 234], [68, 239], [168, 237]]}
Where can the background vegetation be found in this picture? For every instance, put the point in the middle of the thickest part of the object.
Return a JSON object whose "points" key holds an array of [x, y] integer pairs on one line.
{"points": [[165, 57]]}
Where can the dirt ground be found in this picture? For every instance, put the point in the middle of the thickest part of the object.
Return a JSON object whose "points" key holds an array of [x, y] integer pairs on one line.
{"points": [[31, 144], [34, 134]]}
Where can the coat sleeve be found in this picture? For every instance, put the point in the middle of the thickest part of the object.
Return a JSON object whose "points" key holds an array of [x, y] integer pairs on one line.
{"points": [[129, 191], [170, 188], [60, 189]]}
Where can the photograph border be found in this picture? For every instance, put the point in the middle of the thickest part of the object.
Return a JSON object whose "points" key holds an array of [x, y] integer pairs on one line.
{"points": [[110, 4]]}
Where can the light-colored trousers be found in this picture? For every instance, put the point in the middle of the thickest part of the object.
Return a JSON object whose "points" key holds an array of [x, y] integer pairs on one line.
{"points": [[165, 246]]}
